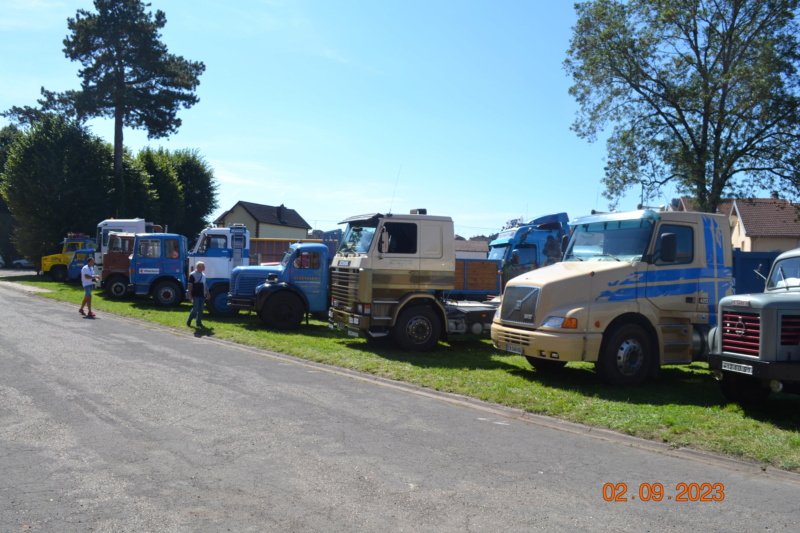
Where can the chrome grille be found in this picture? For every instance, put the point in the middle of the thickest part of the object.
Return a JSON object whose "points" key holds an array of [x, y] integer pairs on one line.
{"points": [[344, 286], [741, 333], [519, 305]]}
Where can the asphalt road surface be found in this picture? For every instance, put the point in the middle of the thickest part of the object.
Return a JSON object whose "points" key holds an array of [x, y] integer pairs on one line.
{"points": [[115, 425]]}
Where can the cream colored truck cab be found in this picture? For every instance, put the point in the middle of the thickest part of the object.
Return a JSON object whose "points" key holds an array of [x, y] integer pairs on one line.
{"points": [[389, 278], [635, 291]]}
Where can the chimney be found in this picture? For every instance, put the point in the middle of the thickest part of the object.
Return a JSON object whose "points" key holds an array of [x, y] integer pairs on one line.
{"points": [[280, 213]]}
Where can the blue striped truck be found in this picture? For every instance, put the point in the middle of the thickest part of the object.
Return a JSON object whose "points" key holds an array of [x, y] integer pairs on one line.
{"points": [[635, 291]]}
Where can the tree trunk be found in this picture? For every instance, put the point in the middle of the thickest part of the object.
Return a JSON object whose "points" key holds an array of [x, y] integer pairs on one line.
{"points": [[119, 179]]}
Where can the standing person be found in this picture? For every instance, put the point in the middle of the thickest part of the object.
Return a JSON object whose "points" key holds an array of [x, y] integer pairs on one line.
{"points": [[198, 292], [87, 279]]}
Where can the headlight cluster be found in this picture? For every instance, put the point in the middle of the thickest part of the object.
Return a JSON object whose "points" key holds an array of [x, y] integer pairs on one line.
{"points": [[560, 322]]}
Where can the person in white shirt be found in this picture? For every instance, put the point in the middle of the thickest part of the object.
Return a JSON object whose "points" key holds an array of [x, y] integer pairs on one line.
{"points": [[87, 279]]}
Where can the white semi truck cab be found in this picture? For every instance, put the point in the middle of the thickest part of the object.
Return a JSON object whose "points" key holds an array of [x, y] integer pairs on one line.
{"points": [[635, 291]]}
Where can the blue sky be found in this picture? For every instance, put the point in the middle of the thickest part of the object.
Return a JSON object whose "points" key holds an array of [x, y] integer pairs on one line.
{"points": [[342, 107]]}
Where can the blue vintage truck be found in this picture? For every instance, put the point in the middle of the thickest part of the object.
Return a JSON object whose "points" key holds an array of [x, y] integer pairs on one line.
{"points": [[158, 267], [523, 247], [284, 293]]}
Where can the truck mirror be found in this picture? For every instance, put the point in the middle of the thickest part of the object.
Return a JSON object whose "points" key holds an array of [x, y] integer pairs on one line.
{"points": [[669, 245], [564, 244], [514, 258]]}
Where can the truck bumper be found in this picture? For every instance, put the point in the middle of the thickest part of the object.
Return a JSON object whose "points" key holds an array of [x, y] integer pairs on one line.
{"points": [[356, 325], [558, 346], [242, 304], [764, 370]]}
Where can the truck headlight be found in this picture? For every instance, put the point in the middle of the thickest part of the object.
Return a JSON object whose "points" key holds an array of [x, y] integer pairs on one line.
{"points": [[560, 322]]}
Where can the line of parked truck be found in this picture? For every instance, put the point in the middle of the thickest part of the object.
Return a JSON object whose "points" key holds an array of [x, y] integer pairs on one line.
{"points": [[629, 292]]}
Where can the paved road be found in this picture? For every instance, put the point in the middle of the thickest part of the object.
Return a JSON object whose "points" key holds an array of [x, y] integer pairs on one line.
{"points": [[114, 425]]}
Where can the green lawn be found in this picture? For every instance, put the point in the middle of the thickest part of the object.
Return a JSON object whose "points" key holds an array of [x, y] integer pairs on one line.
{"points": [[682, 408]]}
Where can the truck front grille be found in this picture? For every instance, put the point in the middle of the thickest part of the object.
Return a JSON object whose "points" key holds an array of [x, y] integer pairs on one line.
{"points": [[344, 286], [519, 305], [245, 284], [741, 333], [790, 330]]}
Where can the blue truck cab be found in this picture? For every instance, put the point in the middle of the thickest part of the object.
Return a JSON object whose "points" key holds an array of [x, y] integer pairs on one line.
{"points": [[283, 294], [521, 248], [79, 259], [158, 267]]}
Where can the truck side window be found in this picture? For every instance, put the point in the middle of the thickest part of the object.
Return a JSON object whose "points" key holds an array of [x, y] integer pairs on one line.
{"points": [[684, 235], [402, 237], [213, 242], [172, 248], [150, 248], [307, 260]]}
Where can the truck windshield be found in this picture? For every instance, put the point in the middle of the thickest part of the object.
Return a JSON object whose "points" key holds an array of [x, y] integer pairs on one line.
{"points": [[613, 240], [785, 274], [357, 239], [498, 253], [287, 257]]}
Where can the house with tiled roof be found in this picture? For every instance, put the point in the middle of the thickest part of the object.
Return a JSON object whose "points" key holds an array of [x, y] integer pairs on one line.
{"points": [[686, 203], [266, 221], [765, 225]]}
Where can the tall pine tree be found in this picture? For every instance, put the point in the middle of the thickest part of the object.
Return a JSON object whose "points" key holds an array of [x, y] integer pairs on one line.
{"points": [[128, 74]]}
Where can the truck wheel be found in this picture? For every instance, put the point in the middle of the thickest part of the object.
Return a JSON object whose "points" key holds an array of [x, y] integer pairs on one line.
{"points": [[417, 329], [167, 294], [626, 358], [58, 273], [117, 288], [282, 311], [545, 365], [744, 390], [218, 303]]}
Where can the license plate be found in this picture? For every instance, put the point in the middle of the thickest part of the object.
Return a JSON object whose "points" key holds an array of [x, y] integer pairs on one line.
{"points": [[736, 367], [352, 332], [514, 349]]}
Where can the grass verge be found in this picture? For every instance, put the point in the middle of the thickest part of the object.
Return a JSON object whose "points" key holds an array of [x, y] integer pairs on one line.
{"points": [[683, 408]]}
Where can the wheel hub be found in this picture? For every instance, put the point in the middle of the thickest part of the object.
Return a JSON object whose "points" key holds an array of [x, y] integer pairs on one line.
{"points": [[630, 357]]}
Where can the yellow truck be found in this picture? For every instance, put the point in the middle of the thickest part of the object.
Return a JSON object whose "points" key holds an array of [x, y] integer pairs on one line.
{"points": [[57, 265], [635, 291]]}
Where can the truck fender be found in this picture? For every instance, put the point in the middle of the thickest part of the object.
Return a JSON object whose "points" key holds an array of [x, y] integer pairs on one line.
{"points": [[268, 289], [421, 299], [642, 322]]}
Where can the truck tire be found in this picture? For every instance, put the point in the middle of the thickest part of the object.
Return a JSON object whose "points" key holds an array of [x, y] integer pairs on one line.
{"points": [[218, 303], [282, 311], [167, 294], [744, 390], [626, 358], [545, 365], [417, 329], [59, 273], [117, 287]]}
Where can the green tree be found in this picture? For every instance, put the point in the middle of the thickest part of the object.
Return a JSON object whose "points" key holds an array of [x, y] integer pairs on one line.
{"points": [[127, 73], [167, 205], [199, 190], [57, 179], [702, 94], [8, 135]]}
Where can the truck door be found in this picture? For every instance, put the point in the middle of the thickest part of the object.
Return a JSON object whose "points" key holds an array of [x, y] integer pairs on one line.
{"points": [[674, 286], [147, 264], [309, 270], [399, 265]]}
